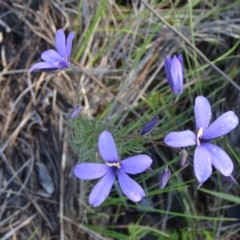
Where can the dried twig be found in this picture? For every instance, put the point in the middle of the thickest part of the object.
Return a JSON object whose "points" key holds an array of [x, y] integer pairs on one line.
{"points": [[63, 166], [87, 230], [23, 224]]}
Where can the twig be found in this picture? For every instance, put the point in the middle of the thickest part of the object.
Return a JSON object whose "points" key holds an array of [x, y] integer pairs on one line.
{"points": [[153, 57], [63, 166], [7, 219], [13, 106], [16, 132], [85, 71], [17, 56], [3, 24], [14, 175], [16, 71], [23, 224], [87, 230], [3, 54], [63, 13], [225, 76]]}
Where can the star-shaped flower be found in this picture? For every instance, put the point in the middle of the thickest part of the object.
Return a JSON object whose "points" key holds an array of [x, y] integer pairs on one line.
{"points": [[206, 154], [111, 168], [174, 73], [55, 60]]}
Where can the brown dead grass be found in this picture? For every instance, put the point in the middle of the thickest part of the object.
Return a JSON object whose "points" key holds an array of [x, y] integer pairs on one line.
{"points": [[32, 131]]}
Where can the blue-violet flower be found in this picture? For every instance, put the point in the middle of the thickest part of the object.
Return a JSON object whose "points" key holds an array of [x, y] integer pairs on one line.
{"points": [[206, 154], [111, 168], [174, 73], [55, 60]]}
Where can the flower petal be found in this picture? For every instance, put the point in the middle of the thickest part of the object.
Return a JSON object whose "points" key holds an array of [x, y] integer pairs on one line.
{"points": [[60, 43], [51, 56], [181, 139], [136, 164], [202, 110], [180, 58], [129, 187], [177, 76], [221, 126], [167, 68], [107, 147], [102, 189], [202, 164], [42, 66], [220, 160], [69, 43], [89, 171]]}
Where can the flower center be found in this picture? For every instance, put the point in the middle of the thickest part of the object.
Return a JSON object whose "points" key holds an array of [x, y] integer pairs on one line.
{"points": [[114, 164], [199, 134]]}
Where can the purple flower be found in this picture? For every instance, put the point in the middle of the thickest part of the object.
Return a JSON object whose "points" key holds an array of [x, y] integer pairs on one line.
{"points": [[174, 73], [110, 169], [206, 154], [55, 60]]}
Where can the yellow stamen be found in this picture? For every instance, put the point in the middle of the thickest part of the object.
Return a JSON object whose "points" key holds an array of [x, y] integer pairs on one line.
{"points": [[114, 164], [199, 134]]}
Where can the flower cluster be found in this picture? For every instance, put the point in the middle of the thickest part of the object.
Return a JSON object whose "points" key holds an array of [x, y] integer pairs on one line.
{"points": [[206, 154]]}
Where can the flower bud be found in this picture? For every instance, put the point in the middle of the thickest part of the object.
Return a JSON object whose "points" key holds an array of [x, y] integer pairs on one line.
{"points": [[174, 73], [149, 126], [164, 177], [183, 157], [75, 112]]}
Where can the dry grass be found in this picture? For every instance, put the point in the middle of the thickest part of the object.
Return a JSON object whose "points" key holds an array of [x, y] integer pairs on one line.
{"points": [[33, 132]]}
